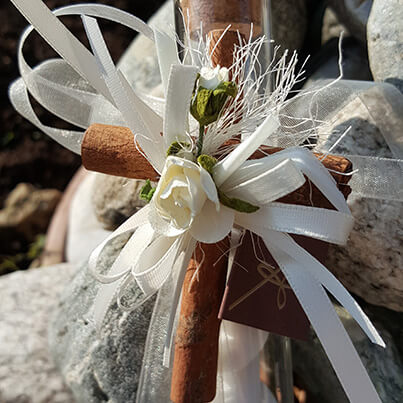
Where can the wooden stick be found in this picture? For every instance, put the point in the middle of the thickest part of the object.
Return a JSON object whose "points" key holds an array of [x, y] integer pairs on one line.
{"points": [[196, 345], [194, 373], [112, 150]]}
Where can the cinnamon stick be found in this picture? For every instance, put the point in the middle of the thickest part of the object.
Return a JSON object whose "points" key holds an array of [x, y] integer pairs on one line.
{"points": [[194, 373], [196, 345], [112, 150], [219, 14], [223, 46]]}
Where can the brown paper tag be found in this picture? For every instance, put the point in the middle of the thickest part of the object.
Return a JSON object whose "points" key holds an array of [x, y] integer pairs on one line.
{"points": [[257, 293]]}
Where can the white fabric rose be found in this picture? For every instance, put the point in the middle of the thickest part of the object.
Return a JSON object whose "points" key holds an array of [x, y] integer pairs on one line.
{"points": [[182, 191], [212, 78], [186, 194]]}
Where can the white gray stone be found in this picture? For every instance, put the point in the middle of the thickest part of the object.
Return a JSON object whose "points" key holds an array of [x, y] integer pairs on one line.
{"points": [[139, 63], [354, 15], [115, 199], [385, 41], [85, 232], [384, 366], [103, 367], [27, 298], [371, 264]]}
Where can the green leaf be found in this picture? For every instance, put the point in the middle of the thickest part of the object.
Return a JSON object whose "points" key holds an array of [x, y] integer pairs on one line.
{"points": [[176, 147], [226, 87], [147, 191], [207, 162], [236, 204], [206, 104]]}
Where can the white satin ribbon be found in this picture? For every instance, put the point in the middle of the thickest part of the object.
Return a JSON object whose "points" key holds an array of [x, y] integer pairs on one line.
{"points": [[328, 327], [167, 52], [225, 168], [263, 181], [178, 96]]}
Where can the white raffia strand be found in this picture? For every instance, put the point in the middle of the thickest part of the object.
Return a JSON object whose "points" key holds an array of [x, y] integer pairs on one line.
{"points": [[253, 102], [156, 255]]}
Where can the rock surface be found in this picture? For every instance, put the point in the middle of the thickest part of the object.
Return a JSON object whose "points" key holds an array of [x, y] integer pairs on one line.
{"points": [[377, 276], [115, 199], [384, 366], [385, 41], [139, 63], [85, 232], [27, 298], [354, 15], [27, 212], [105, 367]]}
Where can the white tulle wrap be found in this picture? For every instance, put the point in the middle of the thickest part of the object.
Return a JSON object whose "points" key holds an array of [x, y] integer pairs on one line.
{"points": [[85, 88]]}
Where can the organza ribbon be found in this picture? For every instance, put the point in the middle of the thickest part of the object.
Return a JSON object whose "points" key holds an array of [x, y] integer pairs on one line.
{"points": [[154, 257]]}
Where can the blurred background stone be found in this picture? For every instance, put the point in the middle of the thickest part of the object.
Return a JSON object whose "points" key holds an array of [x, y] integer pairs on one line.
{"points": [[385, 41], [286, 14], [115, 199], [24, 219], [371, 264], [324, 65], [103, 367], [27, 298], [27, 211], [331, 26], [314, 373]]}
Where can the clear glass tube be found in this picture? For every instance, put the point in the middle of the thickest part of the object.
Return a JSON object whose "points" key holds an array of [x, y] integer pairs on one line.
{"points": [[277, 365], [203, 16]]}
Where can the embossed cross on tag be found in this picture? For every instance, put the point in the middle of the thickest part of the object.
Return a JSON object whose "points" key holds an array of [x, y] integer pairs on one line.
{"points": [[257, 293]]}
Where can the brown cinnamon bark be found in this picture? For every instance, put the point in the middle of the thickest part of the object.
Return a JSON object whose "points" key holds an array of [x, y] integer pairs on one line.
{"points": [[112, 150], [196, 345], [194, 373], [219, 14], [223, 46]]}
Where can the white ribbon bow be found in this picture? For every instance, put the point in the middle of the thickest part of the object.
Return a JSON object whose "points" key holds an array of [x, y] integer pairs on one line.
{"points": [[153, 254]]}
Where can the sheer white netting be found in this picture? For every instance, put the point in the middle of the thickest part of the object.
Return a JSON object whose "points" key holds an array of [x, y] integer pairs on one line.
{"points": [[309, 120]]}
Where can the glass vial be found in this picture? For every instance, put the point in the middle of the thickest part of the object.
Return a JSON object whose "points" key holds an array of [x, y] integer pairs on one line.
{"points": [[203, 16], [276, 368]]}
